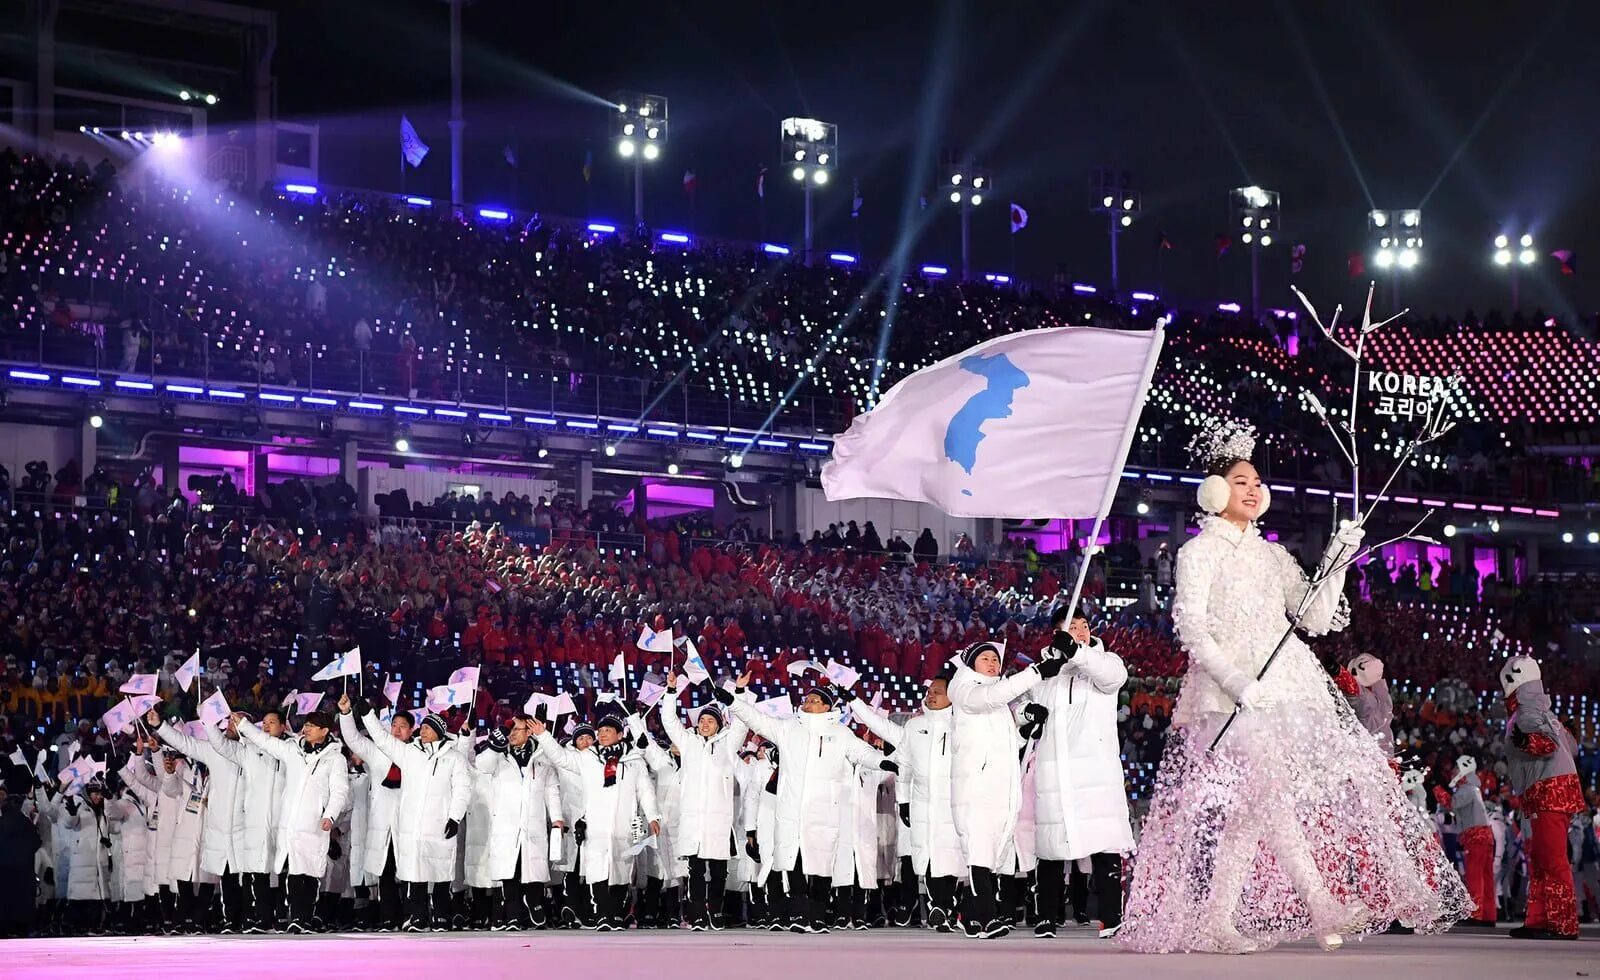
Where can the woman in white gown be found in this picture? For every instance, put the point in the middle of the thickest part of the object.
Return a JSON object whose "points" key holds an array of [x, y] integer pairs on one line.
{"points": [[1295, 826]]}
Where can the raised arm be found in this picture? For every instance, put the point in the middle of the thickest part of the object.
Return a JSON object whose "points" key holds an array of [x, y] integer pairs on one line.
{"points": [[975, 698], [770, 728], [878, 724], [183, 742], [670, 723], [361, 745], [1199, 563], [1322, 614], [561, 756], [397, 752], [278, 748], [862, 754], [1103, 669]]}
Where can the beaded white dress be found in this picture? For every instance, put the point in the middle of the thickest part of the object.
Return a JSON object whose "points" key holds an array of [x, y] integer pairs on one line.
{"points": [[1296, 826]]}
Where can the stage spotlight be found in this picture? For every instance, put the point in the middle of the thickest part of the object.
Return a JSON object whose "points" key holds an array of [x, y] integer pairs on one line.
{"points": [[735, 460], [820, 176], [625, 148], [1594, 537], [96, 420], [611, 449], [1408, 259], [651, 151], [1449, 530], [211, 100], [186, 95], [955, 197], [799, 173]]}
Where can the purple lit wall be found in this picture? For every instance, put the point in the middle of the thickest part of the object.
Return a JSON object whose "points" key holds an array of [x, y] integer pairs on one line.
{"points": [[673, 499]]}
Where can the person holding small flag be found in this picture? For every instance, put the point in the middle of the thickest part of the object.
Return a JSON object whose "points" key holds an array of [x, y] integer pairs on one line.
{"points": [[89, 847], [383, 805], [223, 816], [524, 804]]}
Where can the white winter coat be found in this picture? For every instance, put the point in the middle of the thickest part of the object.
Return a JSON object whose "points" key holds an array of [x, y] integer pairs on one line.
{"points": [[316, 788], [435, 785], [1080, 799], [924, 752], [524, 799], [572, 805], [609, 811], [89, 877], [815, 755], [180, 816], [706, 777], [260, 797], [224, 799], [383, 803], [986, 787], [1234, 595], [663, 861], [133, 829], [855, 857], [759, 814], [348, 872]]}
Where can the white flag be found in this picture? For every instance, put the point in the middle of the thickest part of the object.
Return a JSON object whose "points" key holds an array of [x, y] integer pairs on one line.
{"points": [[391, 692], [308, 702], [563, 705], [618, 673], [655, 642], [139, 684], [694, 668], [346, 664], [535, 701], [288, 699], [841, 674], [1034, 424], [650, 692], [799, 667], [120, 718], [778, 707], [449, 696], [411, 145], [465, 677], [214, 709], [185, 675]]}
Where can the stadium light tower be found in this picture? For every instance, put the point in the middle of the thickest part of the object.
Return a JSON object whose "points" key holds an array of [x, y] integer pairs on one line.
{"points": [[1512, 256], [1397, 244], [639, 130], [966, 185], [1111, 193], [1256, 216], [810, 149]]}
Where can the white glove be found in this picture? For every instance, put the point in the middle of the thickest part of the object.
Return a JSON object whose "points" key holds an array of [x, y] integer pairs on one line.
{"points": [[1346, 541], [1255, 697]]}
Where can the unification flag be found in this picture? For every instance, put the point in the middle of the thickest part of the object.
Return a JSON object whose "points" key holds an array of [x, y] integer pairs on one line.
{"points": [[346, 664], [120, 718], [308, 702], [650, 692], [655, 642], [1019, 218], [139, 684], [694, 668], [449, 696], [185, 675], [778, 707], [841, 674], [799, 667], [411, 145], [391, 692], [214, 709], [619, 670], [464, 676], [1034, 424]]}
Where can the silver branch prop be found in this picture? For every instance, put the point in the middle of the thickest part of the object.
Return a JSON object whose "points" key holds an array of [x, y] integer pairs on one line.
{"points": [[1435, 426]]}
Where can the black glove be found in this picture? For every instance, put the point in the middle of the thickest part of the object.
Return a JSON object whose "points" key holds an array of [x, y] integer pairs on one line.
{"points": [[334, 850], [71, 805], [108, 858], [451, 828], [643, 742], [889, 765], [726, 697], [1063, 643], [905, 814], [1035, 714], [498, 740], [360, 707], [751, 847], [1050, 667], [50, 876], [843, 693], [580, 830]]}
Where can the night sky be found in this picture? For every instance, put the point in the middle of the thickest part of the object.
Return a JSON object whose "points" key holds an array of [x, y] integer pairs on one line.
{"points": [[1484, 114]]}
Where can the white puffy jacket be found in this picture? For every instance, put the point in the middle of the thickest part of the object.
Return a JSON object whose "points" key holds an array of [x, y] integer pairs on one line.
{"points": [[707, 784], [924, 752], [435, 784], [255, 833], [179, 819], [986, 787], [89, 877], [1080, 799], [759, 815], [815, 756], [855, 858], [383, 802], [133, 829], [224, 800], [524, 799], [316, 788], [609, 811]]}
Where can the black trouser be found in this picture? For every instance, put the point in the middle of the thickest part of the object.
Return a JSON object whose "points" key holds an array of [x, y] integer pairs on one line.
{"points": [[1106, 872], [302, 891], [233, 908], [1049, 882], [905, 894], [610, 901], [513, 905], [807, 894], [388, 893], [1010, 897], [86, 914], [203, 910], [259, 895], [699, 904], [651, 911], [942, 896], [579, 898], [982, 905]]}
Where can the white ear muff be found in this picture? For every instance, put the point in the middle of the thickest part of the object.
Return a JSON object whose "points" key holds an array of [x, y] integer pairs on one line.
{"points": [[1212, 494], [1266, 501]]}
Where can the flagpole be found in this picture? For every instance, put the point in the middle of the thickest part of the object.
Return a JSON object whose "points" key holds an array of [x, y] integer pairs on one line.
{"points": [[1158, 338]]}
